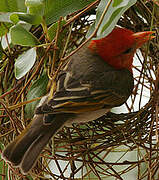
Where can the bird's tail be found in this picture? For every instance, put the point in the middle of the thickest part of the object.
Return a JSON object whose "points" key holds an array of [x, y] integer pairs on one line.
{"points": [[25, 149]]}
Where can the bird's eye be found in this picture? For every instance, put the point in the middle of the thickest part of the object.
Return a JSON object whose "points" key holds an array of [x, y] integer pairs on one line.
{"points": [[127, 51]]}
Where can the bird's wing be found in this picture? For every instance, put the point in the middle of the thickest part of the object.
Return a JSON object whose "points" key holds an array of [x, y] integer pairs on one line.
{"points": [[85, 86]]}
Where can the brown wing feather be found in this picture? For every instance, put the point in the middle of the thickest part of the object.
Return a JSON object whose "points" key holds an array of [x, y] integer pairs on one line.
{"points": [[88, 84]]}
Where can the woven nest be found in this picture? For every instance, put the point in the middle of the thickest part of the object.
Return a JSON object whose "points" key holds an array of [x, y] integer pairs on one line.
{"points": [[101, 148]]}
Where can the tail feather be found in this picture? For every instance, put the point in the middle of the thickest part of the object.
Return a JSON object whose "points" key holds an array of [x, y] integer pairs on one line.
{"points": [[15, 151], [25, 149], [32, 154]]}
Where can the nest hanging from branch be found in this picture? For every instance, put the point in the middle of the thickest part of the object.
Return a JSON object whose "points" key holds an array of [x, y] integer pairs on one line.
{"points": [[83, 149]]}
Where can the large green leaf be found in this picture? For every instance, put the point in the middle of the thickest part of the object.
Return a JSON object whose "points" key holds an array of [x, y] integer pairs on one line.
{"points": [[25, 62], [111, 17], [56, 8], [12, 6], [38, 89], [21, 36], [53, 9]]}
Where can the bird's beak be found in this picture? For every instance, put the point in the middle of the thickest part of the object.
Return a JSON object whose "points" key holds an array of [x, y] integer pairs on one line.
{"points": [[142, 37]]}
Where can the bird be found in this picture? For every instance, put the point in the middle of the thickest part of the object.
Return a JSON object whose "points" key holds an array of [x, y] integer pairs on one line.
{"points": [[95, 79]]}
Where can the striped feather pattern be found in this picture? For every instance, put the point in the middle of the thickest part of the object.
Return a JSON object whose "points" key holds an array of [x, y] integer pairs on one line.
{"points": [[88, 84]]}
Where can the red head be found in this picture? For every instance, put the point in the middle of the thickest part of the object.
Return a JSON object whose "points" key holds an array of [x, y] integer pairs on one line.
{"points": [[118, 48]]}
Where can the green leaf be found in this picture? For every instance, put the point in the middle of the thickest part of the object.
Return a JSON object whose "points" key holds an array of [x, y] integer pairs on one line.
{"points": [[5, 23], [34, 3], [53, 9], [52, 33], [113, 14], [38, 89], [21, 36], [117, 3], [53, 28], [4, 28], [36, 6], [29, 18], [24, 63], [12, 6], [56, 8], [14, 18]]}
